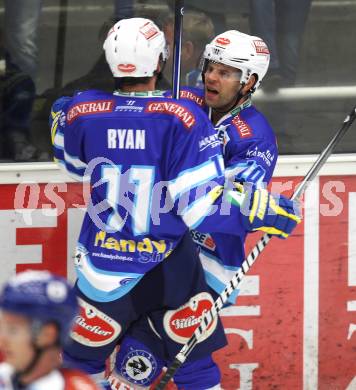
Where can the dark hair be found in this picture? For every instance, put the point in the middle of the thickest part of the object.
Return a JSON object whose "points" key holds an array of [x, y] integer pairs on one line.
{"points": [[129, 81]]}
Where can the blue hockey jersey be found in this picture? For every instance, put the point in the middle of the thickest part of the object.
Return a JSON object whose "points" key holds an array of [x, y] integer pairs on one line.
{"points": [[151, 179], [250, 154]]}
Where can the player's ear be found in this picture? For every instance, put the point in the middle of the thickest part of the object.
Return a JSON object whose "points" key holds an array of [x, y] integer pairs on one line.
{"points": [[47, 336], [249, 85]]}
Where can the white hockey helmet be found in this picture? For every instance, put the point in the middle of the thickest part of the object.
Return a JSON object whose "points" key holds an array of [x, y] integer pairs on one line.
{"points": [[245, 52], [133, 48]]}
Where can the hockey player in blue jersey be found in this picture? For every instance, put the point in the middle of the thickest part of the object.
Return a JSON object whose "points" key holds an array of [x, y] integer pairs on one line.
{"points": [[234, 65], [151, 180]]}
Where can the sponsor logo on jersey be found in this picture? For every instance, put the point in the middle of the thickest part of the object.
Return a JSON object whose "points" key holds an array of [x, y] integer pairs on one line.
{"points": [[138, 366], [180, 324], [102, 240], [182, 113], [203, 239], [192, 96], [261, 47], [211, 141], [87, 108], [242, 127], [126, 139], [129, 107], [265, 155], [223, 41], [149, 30], [93, 327], [126, 68]]}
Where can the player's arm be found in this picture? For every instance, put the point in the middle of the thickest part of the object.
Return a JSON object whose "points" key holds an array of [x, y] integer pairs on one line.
{"points": [[67, 139], [198, 179]]}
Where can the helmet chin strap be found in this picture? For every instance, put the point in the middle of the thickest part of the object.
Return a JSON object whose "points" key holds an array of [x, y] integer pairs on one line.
{"points": [[238, 97], [16, 380]]}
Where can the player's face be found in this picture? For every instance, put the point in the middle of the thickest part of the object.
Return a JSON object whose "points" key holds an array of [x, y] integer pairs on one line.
{"points": [[221, 85], [15, 340]]}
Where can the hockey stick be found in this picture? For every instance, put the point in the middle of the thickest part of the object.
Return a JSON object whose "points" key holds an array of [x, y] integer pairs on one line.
{"points": [[178, 32], [250, 259], [61, 42]]}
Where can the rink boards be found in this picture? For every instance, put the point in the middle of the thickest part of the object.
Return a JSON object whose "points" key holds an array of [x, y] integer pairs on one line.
{"points": [[294, 324]]}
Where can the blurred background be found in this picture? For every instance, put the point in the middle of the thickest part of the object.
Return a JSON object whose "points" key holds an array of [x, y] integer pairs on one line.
{"points": [[51, 48]]}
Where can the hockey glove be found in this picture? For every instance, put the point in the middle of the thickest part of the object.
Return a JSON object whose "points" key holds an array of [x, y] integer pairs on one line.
{"points": [[275, 215]]}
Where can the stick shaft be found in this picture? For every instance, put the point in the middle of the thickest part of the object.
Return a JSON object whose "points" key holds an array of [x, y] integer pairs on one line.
{"points": [[324, 155], [178, 32]]}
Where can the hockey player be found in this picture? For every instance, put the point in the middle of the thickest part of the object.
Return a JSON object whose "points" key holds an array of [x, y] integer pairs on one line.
{"points": [[151, 180], [233, 67], [37, 311]]}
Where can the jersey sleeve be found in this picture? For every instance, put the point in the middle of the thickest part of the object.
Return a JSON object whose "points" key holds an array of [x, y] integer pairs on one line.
{"points": [[67, 139], [196, 178], [251, 161]]}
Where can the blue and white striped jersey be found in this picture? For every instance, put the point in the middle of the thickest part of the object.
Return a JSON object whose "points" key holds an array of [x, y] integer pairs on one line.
{"points": [[151, 178]]}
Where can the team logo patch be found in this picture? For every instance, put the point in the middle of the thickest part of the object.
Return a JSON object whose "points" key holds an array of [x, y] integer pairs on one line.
{"points": [[182, 113], [126, 68], [180, 324], [87, 108], [261, 47], [93, 327], [138, 367], [242, 127], [223, 41]]}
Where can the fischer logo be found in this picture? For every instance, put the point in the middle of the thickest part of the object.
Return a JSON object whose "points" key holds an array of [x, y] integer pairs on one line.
{"points": [[180, 324], [223, 41], [94, 328], [174, 109], [242, 127], [94, 107], [126, 68], [261, 47]]}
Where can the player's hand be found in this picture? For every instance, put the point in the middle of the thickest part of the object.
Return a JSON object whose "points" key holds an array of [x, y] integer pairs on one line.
{"points": [[273, 214]]}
